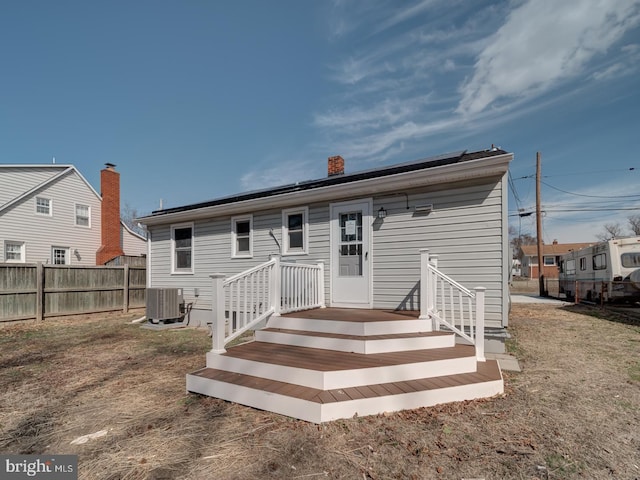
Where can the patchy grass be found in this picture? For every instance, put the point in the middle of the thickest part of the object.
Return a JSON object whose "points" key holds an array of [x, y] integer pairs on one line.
{"points": [[573, 412]]}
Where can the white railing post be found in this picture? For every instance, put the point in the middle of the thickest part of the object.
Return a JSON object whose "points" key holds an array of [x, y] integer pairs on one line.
{"points": [[425, 284], [433, 290], [276, 286], [479, 338], [218, 325], [321, 285]]}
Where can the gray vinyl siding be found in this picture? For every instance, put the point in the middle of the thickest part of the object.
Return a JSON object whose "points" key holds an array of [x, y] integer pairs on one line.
{"points": [[20, 222], [212, 251], [464, 229], [18, 180]]}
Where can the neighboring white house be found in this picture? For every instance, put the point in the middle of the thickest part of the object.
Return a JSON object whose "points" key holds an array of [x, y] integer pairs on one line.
{"points": [[367, 227], [51, 214]]}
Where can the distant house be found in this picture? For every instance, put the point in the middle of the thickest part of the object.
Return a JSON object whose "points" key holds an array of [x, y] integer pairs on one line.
{"points": [[51, 214], [551, 258]]}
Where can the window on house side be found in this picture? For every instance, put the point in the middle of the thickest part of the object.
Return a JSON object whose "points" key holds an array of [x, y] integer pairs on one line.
{"points": [[549, 261], [14, 252], [583, 263], [43, 206], [294, 231], [182, 244], [242, 236], [83, 215], [60, 256]]}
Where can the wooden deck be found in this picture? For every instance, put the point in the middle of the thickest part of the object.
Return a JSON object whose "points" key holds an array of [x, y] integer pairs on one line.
{"points": [[305, 365]]}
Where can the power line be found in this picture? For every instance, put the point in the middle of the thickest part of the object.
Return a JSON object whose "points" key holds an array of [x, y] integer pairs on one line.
{"points": [[590, 196]]}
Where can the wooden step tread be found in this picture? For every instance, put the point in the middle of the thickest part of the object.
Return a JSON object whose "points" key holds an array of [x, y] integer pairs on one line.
{"points": [[486, 372], [355, 314], [392, 336], [332, 360]]}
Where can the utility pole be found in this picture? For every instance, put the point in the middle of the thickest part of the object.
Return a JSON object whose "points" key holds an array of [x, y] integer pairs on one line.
{"points": [[539, 227]]}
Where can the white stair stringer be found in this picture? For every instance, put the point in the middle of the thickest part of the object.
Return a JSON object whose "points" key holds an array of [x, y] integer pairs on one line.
{"points": [[356, 343], [342, 378], [317, 409], [351, 328]]}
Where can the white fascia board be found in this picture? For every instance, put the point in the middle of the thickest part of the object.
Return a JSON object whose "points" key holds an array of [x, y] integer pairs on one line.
{"points": [[482, 167]]}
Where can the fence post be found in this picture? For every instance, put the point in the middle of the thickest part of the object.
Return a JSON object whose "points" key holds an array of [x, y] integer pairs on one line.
{"points": [[39, 291], [276, 286], [425, 284], [125, 288], [321, 285], [218, 326], [480, 323]]}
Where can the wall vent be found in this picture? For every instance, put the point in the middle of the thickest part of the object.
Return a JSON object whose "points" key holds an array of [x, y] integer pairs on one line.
{"points": [[164, 304]]}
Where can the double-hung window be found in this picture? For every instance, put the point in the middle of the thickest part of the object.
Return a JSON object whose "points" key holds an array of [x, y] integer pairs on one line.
{"points": [[60, 255], [295, 231], [14, 252], [43, 206], [182, 248], [242, 236], [83, 215]]}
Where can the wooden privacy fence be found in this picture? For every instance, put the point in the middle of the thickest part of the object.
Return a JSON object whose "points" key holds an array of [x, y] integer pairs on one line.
{"points": [[37, 291]]}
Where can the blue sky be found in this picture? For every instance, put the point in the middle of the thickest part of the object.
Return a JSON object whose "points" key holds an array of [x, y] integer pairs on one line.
{"points": [[194, 100]]}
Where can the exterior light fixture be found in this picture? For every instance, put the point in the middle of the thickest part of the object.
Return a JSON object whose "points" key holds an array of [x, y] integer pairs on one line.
{"points": [[382, 213]]}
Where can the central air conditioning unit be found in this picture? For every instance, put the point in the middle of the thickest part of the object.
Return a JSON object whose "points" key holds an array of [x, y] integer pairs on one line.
{"points": [[165, 304]]}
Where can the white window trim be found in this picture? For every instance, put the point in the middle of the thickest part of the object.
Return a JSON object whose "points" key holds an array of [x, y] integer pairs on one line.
{"points": [[23, 251], [286, 251], [182, 271], [75, 214], [50, 214], [234, 222], [67, 255]]}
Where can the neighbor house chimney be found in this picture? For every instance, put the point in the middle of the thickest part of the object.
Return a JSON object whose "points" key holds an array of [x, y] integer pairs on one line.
{"points": [[335, 166], [110, 210]]}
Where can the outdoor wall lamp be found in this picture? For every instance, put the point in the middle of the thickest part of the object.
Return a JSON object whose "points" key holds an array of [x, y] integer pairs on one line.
{"points": [[382, 213]]}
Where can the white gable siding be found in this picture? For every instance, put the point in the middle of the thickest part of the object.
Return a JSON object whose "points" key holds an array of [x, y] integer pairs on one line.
{"points": [[18, 180], [21, 223]]}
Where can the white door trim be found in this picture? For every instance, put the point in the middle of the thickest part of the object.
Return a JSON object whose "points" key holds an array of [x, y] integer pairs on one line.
{"points": [[366, 295]]}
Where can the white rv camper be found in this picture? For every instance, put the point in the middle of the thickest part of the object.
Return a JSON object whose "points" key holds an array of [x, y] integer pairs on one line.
{"points": [[608, 271]]}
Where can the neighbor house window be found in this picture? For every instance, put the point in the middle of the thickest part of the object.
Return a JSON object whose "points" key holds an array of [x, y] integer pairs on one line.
{"points": [[60, 256], [83, 215], [600, 262], [583, 263], [14, 252], [295, 227], [182, 246], [571, 267], [242, 236], [549, 261], [43, 206]]}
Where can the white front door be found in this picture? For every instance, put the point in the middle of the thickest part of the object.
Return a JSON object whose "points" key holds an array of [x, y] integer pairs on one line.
{"points": [[351, 226]]}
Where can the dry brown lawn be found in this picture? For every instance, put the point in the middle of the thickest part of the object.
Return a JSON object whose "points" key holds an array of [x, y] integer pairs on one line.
{"points": [[573, 412]]}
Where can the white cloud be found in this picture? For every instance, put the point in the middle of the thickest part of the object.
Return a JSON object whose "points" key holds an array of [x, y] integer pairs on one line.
{"points": [[542, 43]]}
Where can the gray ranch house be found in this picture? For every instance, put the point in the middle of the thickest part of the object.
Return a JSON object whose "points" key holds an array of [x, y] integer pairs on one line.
{"points": [[371, 291]]}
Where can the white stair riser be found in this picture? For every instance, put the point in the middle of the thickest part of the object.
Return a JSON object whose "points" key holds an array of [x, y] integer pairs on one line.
{"points": [[345, 378], [356, 346], [318, 413], [351, 328]]}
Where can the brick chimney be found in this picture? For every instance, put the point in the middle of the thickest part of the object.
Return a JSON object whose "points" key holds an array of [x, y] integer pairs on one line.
{"points": [[335, 166], [110, 210]]}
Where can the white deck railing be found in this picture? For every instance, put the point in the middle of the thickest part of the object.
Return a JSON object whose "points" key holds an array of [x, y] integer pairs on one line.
{"points": [[244, 300], [448, 303]]}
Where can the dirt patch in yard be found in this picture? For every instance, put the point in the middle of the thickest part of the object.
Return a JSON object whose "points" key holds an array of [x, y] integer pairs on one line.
{"points": [[573, 412]]}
